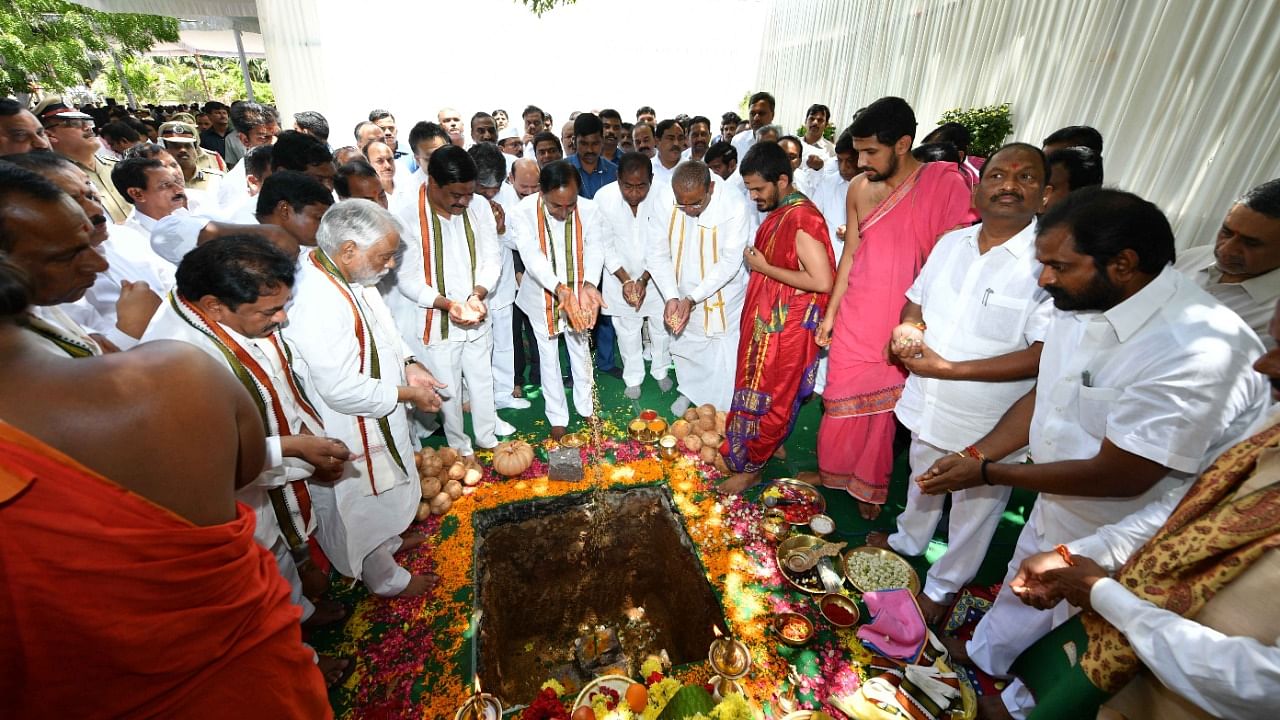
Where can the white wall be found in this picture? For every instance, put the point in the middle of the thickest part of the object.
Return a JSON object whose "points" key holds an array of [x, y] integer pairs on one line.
{"points": [[1186, 93], [412, 58]]}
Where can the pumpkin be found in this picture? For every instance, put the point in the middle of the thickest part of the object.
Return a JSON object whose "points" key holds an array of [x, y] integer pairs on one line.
{"points": [[711, 438], [454, 488], [430, 486], [424, 510], [707, 410], [709, 454], [706, 423], [512, 458], [693, 442], [472, 477], [681, 428], [457, 470], [441, 503], [691, 414], [447, 455]]}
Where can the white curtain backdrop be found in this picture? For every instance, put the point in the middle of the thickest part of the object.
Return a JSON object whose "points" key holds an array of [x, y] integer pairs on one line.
{"points": [[1185, 93]]}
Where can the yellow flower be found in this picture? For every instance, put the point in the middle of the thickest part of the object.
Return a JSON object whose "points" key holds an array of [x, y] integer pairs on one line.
{"points": [[555, 687], [732, 707]]}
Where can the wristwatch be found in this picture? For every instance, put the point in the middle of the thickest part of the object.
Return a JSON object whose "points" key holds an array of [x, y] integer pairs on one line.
{"points": [[411, 360]]}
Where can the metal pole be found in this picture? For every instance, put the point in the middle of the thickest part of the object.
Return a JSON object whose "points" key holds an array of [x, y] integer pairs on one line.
{"points": [[244, 64]]}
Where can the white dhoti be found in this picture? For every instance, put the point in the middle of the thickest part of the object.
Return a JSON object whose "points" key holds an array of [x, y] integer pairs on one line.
{"points": [[452, 362], [504, 355], [974, 515], [629, 329], [706, 364], [356, 528], [557, 407]]}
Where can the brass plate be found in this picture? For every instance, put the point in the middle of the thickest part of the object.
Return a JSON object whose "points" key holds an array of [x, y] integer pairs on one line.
{"points": [[913, 582]]}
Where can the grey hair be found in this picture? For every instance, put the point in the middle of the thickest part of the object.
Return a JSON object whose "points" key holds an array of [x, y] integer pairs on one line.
{"points": [[775, 129], [361, 221], [691, 174]]}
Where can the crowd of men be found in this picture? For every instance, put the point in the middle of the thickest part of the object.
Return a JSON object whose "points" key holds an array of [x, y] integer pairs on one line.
{"points": [[1012, 321]]}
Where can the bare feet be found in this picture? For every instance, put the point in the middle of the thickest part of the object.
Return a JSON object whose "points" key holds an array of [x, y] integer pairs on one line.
{"points": [[517, 392], [557, 432], [738, 482], [933, 612], [327, 612], [334, 669], [991, 707], [810, 477], [879, 540], [315, 582], [956, 649], [869, 511], [410, 540], [780, 453], [420, 584]]}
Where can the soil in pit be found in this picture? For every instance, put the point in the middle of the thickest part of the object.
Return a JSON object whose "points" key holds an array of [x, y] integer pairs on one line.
{"points": [[576, 586]]}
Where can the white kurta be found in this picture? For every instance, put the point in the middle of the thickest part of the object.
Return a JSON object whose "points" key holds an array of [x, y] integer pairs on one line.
{"points": [[976, 306], [453, 354], [544, 270], [1165, 375], [129, 257], [51, 321], [501, 304], [700, 258], [631, 234], [1254, 300], [354, 519]]}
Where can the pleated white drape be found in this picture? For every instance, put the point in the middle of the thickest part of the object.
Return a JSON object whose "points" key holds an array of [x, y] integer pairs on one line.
{"points": [[1185, 93]]}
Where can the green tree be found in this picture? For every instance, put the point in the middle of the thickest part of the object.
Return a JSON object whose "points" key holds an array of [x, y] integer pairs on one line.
{"points": [[55, 44], [988, 126]]}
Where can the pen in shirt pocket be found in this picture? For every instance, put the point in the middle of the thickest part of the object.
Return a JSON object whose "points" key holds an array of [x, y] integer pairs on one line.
{"points": [[1086, 379]]}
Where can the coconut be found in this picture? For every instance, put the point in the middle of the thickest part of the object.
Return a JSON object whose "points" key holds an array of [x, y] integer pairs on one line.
{"points": [[693, 442], [680, 428], [706, 423], [454, 488], [430, 486], [707, 410], [447, 455], [424, 510], [691, 414], [720, 420], [472, 477], [441, 503], [457, 470], [711, 438], [709, 454]]}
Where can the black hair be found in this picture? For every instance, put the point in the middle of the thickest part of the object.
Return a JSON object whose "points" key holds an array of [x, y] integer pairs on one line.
{"points": [[297, 151], [9, 107], [15, 288], [819, 107], [378, 114], [534, 109], [794, 139], [490, 162], [212, 105], [730, 117], [296, 188], [424, 131], [258, 160], [700, 119], [247, 116], [645, 110], [1025, 147], [844, 142], [360, 125], [145, 150], [762, 95], [557, 174], [313, 122], [936, 152], [887, 119], [1264, 199], [451, 164], [235, 269], [132, 173], [633, 161], [479, 116], [1082, 164], [358, 167], [1074, 135], [610, 114], [952, 132], [544, 136], [587, 124], [1104, 222], [119, 131], [768, 160], [40, 161], [663, 127], [720, 149], [18, 181]]}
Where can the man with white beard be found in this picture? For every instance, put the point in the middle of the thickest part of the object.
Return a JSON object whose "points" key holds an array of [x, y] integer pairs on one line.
{"points": [[701, 274], [363, 374]]}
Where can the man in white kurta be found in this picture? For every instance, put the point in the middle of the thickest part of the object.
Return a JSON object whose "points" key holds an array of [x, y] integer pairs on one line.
{"points": [[633, 220], [1143, 380], [561, 240], [697, 262], [502, 299], [979, 300], [245, 337], [362, 372], [450, 266]]}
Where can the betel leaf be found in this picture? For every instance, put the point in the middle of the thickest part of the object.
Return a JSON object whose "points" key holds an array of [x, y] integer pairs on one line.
{"points": [[688, 701]]}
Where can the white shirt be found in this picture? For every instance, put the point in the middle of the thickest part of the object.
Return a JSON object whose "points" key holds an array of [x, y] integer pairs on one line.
{"points": [[975, 306], [829, 192], [234, 187], [544, 271], [129, 257], [823, 149], [504, 294], [662, 175], [1166, 375], [701, 258], [1254, 300], [461, 277], [743, 142], [629, 238]]}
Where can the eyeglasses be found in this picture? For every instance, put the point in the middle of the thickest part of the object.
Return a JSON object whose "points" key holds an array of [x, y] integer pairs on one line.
{"points": [[692, 206], [77, 124]]}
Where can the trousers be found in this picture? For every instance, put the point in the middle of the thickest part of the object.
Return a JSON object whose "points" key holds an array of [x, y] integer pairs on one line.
{"points": [[456, 361], [557, 406], [631, 346]]}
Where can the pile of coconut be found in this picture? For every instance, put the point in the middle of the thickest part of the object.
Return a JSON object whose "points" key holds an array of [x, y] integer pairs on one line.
{"points": [[443, 474], [701, 431]]}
